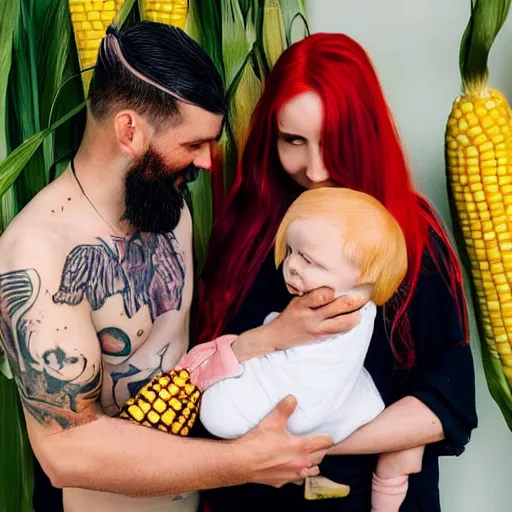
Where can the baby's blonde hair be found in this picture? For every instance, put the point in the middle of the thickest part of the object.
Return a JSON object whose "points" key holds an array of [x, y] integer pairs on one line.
{"points": [[373, 240]]}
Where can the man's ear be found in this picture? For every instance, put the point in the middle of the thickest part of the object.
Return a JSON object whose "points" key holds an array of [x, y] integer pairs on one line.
{"points": [[132, 132]]}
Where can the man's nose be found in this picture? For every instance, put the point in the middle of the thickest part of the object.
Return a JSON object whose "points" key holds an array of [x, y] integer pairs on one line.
{"points": [[203, 159]]}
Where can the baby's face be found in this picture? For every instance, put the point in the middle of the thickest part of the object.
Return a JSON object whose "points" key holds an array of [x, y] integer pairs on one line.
{"points": [[314, 258]]}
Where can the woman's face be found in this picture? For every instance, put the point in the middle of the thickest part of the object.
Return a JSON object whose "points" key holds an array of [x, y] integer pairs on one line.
{"points": [[299, 143]]}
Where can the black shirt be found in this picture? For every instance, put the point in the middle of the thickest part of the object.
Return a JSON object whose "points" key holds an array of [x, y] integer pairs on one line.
{"points": [[442, 378]]}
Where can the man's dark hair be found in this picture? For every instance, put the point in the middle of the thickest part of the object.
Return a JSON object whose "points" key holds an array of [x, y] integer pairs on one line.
{"points": [[148, 67]]}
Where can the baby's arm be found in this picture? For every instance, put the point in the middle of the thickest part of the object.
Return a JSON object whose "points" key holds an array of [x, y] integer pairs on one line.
{"points": [[391, 479]]}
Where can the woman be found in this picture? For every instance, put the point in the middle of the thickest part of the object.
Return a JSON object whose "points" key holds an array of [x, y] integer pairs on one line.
{"points": [[322, 120]]}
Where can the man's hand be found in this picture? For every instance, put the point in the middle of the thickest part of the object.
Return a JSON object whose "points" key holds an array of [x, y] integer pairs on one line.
{"points": [[312, 316], [277, 456]]}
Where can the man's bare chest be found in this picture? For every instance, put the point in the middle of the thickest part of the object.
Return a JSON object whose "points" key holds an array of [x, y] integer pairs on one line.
{"points": [[139, 290]]}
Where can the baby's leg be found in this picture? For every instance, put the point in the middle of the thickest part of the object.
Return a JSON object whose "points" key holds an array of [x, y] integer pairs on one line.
{"points": [[391, 479]]}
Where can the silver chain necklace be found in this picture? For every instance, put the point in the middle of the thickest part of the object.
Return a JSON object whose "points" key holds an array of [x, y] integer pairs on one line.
{"points": [[73, 171]]}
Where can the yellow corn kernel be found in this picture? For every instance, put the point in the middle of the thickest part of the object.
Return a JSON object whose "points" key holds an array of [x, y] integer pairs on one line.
{"points": [[153, 417], [159, 405], [136, 412], [168, 417], [172, 12], [144, 406], [89, 19], [175, 404]]}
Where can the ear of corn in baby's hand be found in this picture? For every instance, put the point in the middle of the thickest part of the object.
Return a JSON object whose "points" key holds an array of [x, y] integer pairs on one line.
{"points": [[169, 402]]}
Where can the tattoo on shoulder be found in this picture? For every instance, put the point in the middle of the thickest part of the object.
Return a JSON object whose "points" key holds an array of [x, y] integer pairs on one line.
{"points": [[147, 269], [54, 386]]}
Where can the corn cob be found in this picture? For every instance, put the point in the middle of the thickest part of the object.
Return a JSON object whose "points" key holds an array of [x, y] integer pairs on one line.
{"points": [[479, 165], [90, 19], [172, 12], [169, 402]]}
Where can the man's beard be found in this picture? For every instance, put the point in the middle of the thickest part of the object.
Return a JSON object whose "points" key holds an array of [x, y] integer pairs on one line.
{"points": [[153, 198]]}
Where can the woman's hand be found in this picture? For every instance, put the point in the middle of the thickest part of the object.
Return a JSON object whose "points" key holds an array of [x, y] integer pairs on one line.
{"points": [[306, 319], [312, 316]]}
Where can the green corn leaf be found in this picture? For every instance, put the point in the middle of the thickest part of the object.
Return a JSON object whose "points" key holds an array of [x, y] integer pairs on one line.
{"points": [[5, 368], [274, 37], [14, 164], [15, 454], [295, 20], [245, 95], [124, 12], [242, 96], [24, 80], [24, 105], [8, 209], [245, 6], [497, 382], [202, 214], [235, 48], [40, 9], [9, 12], [62, 90], [55, 48], [487, 18], [8, 17], [251, 26], [204, 25]]}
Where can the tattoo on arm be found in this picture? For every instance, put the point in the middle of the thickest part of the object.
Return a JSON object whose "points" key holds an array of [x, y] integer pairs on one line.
{"points": [[52, 385], [146, 270]]}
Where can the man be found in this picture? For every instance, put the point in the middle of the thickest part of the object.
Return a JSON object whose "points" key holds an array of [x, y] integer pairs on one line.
{"points": [[96, 286]]}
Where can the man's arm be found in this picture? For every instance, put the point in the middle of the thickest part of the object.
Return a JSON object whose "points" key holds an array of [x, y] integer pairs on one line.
{"points": [[54, 353], [117, 456]]}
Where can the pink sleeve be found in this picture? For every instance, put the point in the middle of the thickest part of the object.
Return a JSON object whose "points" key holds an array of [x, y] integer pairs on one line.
{"points": [[211, 362]]}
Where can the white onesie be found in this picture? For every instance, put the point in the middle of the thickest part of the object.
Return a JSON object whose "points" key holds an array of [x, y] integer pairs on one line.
{"points": [[335, 394]]}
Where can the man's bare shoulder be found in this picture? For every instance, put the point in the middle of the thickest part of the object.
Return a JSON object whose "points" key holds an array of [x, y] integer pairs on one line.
{"points": [[29, 242], [39, 233]]}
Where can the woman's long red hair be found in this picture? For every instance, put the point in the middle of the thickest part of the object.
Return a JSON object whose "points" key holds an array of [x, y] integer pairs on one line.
{"points": [[361, 150]]}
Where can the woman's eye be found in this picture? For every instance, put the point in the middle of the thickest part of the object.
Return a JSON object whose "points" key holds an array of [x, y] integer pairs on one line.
{"points": [[294, 140]]}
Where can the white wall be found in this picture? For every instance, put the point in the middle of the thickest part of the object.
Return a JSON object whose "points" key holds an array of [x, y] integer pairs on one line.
{"points": [[414, 45]]}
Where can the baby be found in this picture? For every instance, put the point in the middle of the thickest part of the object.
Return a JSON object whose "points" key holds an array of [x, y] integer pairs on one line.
{"points": [[347, 241]]}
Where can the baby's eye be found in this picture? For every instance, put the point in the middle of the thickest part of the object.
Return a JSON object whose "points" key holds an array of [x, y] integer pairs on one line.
{"points": [[288, 251], [308, 261]]}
